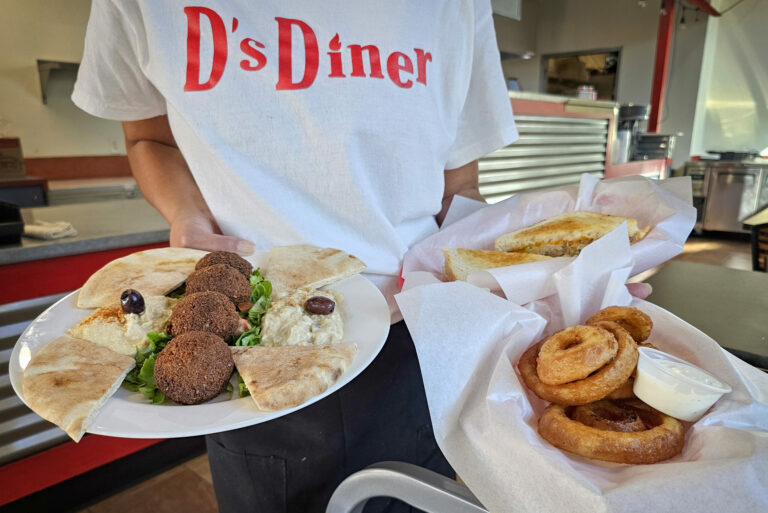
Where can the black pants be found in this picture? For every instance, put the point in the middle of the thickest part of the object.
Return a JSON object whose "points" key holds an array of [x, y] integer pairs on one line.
{"points": [[293, 464]]}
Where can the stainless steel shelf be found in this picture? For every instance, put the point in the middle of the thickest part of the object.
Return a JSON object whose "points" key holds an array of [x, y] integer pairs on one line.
{"points": [[553, 151]]}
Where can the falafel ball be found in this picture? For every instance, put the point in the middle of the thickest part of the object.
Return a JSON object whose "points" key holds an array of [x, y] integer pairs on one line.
{"points": [[226, 257], [220, 278], [204, 311], [194, 367]]}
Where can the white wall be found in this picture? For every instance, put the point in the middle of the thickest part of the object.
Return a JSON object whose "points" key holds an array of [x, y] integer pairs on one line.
{"points": [[685, 64], [572, 26], [517, 37], [49, 30], [733, 100]]}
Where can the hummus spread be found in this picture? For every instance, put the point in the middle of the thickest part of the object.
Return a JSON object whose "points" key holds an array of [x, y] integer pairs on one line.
{"points": [[123, 333], [287, 323]]}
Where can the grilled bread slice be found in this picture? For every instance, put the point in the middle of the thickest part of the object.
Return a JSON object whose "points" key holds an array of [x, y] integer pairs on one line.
{"points": [[460, 262], [293, 267], [566, 234], [69, 380], [285, 377]]}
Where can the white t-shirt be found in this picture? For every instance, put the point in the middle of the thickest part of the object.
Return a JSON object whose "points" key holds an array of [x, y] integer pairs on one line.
{"points": [[328, 123]]}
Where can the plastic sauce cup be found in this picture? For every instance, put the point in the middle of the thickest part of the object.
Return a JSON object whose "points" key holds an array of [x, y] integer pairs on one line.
{"points": [[674, 386]]}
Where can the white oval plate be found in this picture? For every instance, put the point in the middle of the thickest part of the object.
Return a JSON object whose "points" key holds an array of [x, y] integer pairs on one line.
{"points": [[127, 414]]}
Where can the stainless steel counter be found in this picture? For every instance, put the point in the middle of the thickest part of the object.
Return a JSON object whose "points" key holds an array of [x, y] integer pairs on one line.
{"points": [[100, 226]]}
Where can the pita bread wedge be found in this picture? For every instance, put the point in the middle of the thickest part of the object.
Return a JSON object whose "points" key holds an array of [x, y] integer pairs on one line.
{"points": [[153, 272], [566, 234], [460, 262], [285, 377], [292, 267], [123, 333], [68, 381]]}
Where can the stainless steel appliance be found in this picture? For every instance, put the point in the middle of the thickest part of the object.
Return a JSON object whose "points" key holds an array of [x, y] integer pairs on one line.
{"points": [[727, 190], [631, 117]]}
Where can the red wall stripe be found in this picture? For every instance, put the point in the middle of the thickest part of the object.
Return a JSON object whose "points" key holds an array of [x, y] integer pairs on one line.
{"points": [[37, 278], [39, 471]]}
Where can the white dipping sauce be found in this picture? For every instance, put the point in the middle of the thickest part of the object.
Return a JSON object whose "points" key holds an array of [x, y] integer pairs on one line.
{"points": [[674, 386]]}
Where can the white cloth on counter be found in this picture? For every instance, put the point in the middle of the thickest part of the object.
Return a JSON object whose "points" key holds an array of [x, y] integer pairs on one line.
{"points": [[49, 230]]}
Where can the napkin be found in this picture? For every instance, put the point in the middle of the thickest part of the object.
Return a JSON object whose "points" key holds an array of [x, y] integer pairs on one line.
{"points": [[49, 230], [468, 342]]}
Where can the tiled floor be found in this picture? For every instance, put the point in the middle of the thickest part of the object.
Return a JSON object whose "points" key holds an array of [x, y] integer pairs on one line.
{"points": [[188, 487]]}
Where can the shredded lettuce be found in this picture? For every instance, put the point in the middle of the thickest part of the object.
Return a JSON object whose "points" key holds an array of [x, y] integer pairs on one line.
{"points": [[261, 292], [178, 292], [241, 384], [142, 376]]}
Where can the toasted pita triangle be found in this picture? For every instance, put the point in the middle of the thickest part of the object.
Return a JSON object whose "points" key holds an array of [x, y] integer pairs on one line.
{"points": [[69, 380], [153, 272], [285, 377], [293, 267]]}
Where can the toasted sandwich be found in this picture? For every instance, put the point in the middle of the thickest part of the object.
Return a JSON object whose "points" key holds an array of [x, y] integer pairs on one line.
{"points": [[460, 262], [566, 234]]}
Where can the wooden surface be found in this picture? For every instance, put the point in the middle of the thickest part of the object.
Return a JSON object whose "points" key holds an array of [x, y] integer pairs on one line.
{"points": [[729, 305], [65, 168]]}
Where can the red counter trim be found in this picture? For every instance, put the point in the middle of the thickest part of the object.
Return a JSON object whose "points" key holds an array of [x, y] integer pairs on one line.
{"points": [[37, 278], [55, 465]]}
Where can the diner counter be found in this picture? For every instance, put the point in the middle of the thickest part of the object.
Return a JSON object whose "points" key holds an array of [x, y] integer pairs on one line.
{"points": [[100, 226]]}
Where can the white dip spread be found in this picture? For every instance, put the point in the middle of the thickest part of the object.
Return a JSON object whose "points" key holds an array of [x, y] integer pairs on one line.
{"points": [[287, 323], [109, 327]]}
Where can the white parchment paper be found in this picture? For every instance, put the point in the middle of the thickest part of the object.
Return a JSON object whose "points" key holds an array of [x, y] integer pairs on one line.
{"points": [[664, 205], [469, 340]]}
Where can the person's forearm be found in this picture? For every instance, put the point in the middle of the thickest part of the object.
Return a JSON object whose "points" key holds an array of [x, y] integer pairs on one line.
{"points": [[462, 181], [165, 181]]}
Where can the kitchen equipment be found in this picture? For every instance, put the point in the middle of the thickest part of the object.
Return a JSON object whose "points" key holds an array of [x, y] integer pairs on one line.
{"points": [[11, 224], [654, 146], [630, 118], [730, 191], [698, 172]]}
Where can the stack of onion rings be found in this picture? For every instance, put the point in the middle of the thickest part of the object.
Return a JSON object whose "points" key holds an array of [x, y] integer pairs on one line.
{"points": [[595, 412], [635, 321], [592, 388], [574, 354], [662, 439]]}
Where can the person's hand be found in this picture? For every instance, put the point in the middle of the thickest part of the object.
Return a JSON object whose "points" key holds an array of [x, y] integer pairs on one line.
{"points": [[639, 290], [201, 232]]}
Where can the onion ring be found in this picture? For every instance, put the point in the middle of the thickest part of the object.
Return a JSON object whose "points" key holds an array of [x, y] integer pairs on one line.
{"points": [[609, 416], [636, 322], [574, 353], [625, 391], [592, 388], [662, 440]]}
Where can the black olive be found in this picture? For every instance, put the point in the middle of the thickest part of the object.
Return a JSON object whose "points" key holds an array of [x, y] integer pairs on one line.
{"points": [[132, 302], [319, 305]]}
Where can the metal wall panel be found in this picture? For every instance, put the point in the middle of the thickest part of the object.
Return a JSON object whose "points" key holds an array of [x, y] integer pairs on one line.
{"points": [[22, 432], [551, 152]]}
